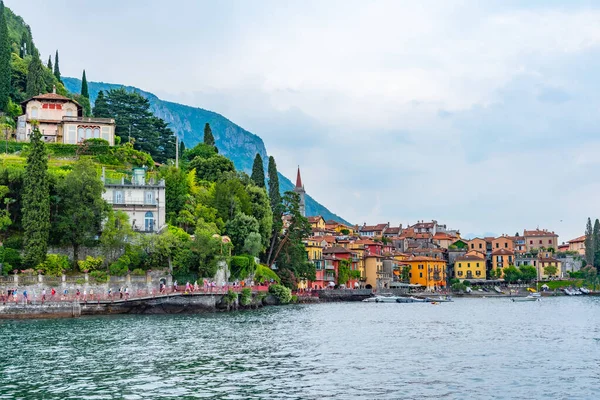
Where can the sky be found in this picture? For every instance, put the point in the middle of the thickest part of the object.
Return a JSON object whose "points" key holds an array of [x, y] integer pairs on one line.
{"points": [[481, 115]]}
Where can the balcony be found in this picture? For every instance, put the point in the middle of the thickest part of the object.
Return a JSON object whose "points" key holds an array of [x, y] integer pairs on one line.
{"points": [[131, 203], [329, 277], [88, 120], [329, 266]]}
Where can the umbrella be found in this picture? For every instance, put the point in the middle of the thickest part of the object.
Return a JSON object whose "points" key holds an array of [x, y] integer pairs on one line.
{"points": [[331, 283], [544, 286]]}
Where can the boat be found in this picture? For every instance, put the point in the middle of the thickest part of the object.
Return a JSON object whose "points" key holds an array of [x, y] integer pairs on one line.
{"points": [[445, 299], [393, 299], [584, 290], [531, 297]]}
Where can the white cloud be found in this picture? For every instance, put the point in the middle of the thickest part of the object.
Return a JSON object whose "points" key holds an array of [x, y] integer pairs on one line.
{"points": [[462, 111]]}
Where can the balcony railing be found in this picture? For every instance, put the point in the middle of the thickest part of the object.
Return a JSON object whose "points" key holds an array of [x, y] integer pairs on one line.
{"points": [[131, 203], [89, 120]]}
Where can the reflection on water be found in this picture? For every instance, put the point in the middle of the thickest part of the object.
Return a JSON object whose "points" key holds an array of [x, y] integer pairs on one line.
{"points": [[480, 349]]}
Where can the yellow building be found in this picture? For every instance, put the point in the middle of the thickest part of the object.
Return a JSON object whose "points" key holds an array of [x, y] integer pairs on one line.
{"points": [[578, 245], [317, 222], [314, 248], [372, 266], [426, 271], [469, 267], [549, 267], [502, 258]]}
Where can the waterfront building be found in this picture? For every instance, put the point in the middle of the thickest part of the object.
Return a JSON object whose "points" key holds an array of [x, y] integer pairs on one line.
{"points": [[427, 272], [477, 244], [578, 245], [546, 264], [502, 258], [143, 201], [540, 238], [503, 242], [299, 189], [373, 267], [470, 267], [61, 120]]}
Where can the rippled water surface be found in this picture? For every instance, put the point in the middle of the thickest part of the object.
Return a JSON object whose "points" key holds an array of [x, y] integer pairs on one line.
{"points": [[478, 349]]}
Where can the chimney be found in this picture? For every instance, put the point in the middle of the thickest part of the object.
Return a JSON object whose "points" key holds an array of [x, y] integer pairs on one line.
{"points": [[53, 89]]}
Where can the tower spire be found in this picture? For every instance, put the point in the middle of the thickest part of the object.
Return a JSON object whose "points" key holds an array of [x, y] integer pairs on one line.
{"points": [[298, 179]]}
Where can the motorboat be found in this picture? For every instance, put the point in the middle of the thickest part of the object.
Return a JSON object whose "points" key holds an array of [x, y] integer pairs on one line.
{"points": [[530, 297], [394, 299], [584, 290]]}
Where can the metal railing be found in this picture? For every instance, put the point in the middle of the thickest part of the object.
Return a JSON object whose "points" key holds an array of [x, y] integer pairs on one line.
{"points": [[89, 120]]}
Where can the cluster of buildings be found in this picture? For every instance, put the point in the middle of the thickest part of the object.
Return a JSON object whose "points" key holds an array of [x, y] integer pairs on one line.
{"points": [[60, 120], [427, 254]]}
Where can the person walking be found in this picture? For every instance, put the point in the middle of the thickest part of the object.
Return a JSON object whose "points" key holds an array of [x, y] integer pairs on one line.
{"points": [[110, 293], [52, 294], [43, 295], [126, 293], [92, 294], [24, 296], [84, 295], [120, 293]]}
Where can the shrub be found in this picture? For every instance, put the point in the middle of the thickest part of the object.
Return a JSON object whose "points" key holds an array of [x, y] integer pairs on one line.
{"points": [[241, 266], [120, 267], [281, 293], [294, 299], [459, 287], [264, 273], [14, 242], [90, 263], [246, 296], [138, 272], [10, 256], [99, 276], [55, 264], [230, 297]]}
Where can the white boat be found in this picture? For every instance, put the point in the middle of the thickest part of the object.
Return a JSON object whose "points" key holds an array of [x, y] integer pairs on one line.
{"points": [[584, 290], [393, 299], [530, 297]]}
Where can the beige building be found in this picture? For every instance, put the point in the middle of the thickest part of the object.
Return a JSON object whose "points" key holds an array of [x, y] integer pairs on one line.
{"points": [[60, 120], [477, 244], [373, 268], [578, 245], [538, 238], [503, 242], [143, 202]]}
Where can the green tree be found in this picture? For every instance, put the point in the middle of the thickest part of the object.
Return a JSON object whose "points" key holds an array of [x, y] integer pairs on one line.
{"points": [[176, 191], [85, 104], [211, 169], [253, 244], [23, 47], [133, 118], [343, 272], [101, 106], [35, 77], [550, 270], [258, 172], [49, 64], [56, 67], [596, 240], [238, 229], [84, 86], [590, 244], [276, 209], [82, 208], [290, 254], [200, 150], [261, 210], [35, 202], [166, 141], [230, 198], [5, 57], [512, 274], [116, 234], [528, 273], [209, 139]]}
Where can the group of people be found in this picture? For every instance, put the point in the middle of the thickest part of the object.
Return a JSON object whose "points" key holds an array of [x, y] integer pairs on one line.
{"points": [[14, 295], [208, 285]]}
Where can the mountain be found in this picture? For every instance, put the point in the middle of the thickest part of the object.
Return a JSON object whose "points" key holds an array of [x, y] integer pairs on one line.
{"points": [[187, 122]]}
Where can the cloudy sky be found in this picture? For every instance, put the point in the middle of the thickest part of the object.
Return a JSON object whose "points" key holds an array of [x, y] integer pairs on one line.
{"points": [[482, 116]]}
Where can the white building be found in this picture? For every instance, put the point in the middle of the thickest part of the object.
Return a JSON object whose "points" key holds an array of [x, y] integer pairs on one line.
{"points": [[143, 202], [60, 120]]}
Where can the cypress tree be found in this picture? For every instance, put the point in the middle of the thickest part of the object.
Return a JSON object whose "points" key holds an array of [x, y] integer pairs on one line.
{"points": [[275, 199], [596, 238], [84, 86], [258, 171], [36, 203], [5, 70], [23, 46], [589, 243], [181, 148], [209, 139], [35, 77], [56, 67], [101, 106], [49, 65]]}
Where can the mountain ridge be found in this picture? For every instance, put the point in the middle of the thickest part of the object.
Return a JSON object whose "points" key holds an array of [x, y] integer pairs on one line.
{"points": [[233, 141]]}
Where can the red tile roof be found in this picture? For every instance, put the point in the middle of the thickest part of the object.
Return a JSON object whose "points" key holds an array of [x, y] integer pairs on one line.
{"points": [[502, 252], [469, 258], [539, 232], [579, 239]]}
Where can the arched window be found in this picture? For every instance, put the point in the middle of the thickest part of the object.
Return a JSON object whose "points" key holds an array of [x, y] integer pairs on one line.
{"points": [[96, 132], [149, 221], [88, 133]]}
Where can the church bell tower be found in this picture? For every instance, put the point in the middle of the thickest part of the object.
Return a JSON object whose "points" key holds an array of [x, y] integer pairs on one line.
{"points": [[301, 192]]}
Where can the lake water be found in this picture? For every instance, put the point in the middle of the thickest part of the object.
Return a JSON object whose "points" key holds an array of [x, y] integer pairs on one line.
{"points": [[477, 349]]}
